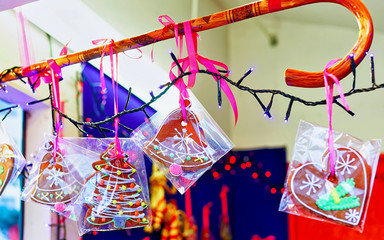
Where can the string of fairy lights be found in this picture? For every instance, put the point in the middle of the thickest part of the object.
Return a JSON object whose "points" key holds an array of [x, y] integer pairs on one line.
{"points": [[100, 125]]}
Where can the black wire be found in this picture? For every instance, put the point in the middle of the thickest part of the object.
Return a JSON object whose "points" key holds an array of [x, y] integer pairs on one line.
{"points": [[253, 92]]}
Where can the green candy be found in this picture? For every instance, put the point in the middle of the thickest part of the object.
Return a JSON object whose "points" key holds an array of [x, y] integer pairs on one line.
{"points": [[1, 170]]}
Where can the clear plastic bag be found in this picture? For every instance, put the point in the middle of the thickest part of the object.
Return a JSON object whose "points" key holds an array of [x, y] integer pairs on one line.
{"points": [[55, 182], [311, 191], [116, 195], [183, 149], [12, 161]]}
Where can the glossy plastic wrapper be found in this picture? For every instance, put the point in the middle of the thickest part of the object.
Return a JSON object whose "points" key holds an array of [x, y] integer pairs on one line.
{"points": [[312, 191]]}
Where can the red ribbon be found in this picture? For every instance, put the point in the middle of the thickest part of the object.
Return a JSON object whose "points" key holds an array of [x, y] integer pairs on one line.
{"points": [[191, 62], [188, 204], [206, 213], [329, 101], [224, 203]]}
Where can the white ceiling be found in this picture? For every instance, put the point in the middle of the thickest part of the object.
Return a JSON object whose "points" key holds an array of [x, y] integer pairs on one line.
{"points": [[322, 13]]}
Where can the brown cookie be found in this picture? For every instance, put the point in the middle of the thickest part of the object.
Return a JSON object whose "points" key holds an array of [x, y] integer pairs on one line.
{"points": [[117, 201], [7, 163], [180, 142], [341, 199], [58, 181]]}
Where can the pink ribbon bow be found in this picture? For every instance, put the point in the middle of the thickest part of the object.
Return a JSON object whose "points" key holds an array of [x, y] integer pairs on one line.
{"points": [[329, 101], [191, 63]]}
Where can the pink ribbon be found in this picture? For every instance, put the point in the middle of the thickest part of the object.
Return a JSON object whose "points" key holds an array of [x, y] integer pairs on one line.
{"points": [[329, 101], [169, 23], [106, 43], [191, 62], [46, 75], [55, 75], [26, 54], [52, 75], [115, 85]]}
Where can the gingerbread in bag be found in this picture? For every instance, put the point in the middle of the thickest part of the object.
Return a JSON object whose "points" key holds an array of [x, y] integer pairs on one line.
{"points": [[183, 145], [312, 191], [56, 182], [180, 144], [7, 162], [116, 201]]}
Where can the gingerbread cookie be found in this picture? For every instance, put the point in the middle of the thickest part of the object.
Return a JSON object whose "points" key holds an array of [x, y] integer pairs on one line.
{"points": [[58, 182], [180, 144], [116, 202], [7, 162], [343, 198]]}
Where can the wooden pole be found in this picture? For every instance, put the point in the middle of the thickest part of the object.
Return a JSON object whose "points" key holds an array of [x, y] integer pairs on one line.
{"points": [[292, 77]]}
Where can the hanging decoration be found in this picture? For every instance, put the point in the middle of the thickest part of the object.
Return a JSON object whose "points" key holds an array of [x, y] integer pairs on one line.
{"points": [[334, 180], [188, 141], [54, 182], [116, 194], [12, 161], [312, 191]]}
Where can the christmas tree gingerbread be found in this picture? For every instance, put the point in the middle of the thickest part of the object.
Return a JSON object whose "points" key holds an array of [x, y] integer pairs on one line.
{"points": [[116, 202]]}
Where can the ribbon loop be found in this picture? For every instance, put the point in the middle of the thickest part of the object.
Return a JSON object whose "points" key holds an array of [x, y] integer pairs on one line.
{"points": [[329, 100]]}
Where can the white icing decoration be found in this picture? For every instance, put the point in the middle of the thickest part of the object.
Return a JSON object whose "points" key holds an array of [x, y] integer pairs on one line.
{"points": [[61, 181], [181, 140], [318, 166], [106, 208], [56, 177], [199, 150], [5, 154], [345, 164], [311, 183], [352, 215], [346, 186]]}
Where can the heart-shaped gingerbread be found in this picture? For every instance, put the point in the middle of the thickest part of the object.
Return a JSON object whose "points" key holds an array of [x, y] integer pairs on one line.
{"points": [[341, 199], [7, 162]]}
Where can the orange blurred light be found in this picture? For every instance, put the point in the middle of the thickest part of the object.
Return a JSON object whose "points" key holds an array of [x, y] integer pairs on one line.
{"points": [[267, 173]]}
